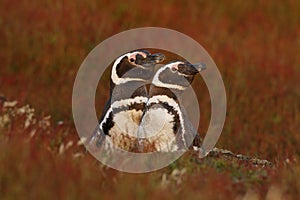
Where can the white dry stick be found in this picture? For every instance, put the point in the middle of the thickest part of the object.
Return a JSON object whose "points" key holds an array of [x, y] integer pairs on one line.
{"points": [[224, 152]]}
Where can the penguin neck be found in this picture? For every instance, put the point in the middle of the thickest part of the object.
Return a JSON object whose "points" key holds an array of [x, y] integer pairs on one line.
{"points": [[128, 90]]}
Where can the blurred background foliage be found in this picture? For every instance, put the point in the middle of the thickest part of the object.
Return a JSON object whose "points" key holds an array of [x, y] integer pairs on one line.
{"points": [[255, 45]]}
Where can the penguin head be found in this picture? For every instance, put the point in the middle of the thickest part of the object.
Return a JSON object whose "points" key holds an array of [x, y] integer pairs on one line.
{"points": [[136, 65], [177, 74]]}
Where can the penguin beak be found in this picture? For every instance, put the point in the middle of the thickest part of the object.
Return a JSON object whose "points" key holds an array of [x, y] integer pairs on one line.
{"points": [[151, 60], [199, 66], [157, 58]]}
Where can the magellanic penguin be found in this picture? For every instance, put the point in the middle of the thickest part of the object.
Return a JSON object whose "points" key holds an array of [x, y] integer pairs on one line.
{"points": [[165, 126], [128, 95]]}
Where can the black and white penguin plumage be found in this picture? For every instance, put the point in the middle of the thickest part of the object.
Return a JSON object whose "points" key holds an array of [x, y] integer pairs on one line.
{"points": [[128, 96], [130, 72], [165, 126]]}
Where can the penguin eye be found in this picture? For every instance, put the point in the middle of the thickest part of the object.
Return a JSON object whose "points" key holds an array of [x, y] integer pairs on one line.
{"points": [[174, 69], [132, 60]]}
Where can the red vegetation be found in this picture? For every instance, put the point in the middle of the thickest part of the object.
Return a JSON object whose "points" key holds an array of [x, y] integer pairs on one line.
{"points": [[255, 45]]}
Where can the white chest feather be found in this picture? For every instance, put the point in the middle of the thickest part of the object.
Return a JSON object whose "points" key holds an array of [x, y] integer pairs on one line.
{"points": [[152, 131], [157, 129], [156, 120], [127, 122]]}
